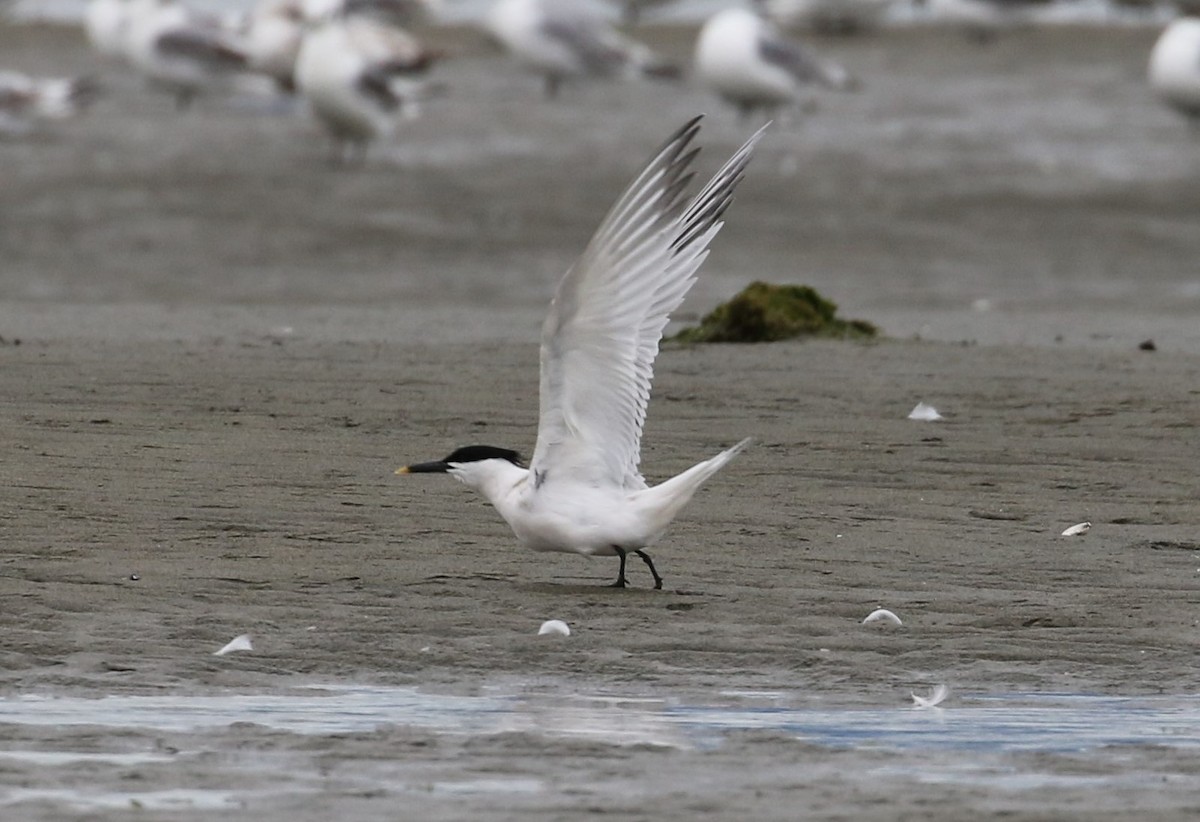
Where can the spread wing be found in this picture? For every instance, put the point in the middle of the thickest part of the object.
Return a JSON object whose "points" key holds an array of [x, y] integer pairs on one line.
{"points": [[601, 336]]}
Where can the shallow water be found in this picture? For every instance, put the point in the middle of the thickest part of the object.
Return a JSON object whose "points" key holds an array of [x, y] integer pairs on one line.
{"points": [[145, 800], [1019, 722], [1011, 744]]}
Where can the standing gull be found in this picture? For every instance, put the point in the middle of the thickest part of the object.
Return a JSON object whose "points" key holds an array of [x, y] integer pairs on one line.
{"points": [[583, 491], [631, 10], [1174, 70], [745, 60], [564, 39], [181, 51], [984, 20], [26, 102], [398, 12], [358, 76], [275, 29], [106, 23], [833, 16], [272, 37]]}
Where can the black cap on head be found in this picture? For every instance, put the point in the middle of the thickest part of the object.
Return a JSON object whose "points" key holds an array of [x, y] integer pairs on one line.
{"points": [[476, 453], [470, 453]]}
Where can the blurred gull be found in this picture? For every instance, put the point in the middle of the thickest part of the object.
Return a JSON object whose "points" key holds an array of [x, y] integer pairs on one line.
{"points": [[583, 491], [844, 16], [983, 20], [744, 59], [631, 10], [275, 29], [179, 50], [562, 39], [272, 37], [1175, 67], [358, 76], [398, 12], [317, 9], [26, 102], [106, 23]]}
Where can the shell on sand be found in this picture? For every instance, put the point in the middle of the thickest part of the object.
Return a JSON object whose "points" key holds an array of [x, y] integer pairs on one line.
{"points": [[882, 615], [554, 627], [238, 643]]}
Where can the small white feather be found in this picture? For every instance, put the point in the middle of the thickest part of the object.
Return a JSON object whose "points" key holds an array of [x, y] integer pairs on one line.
{"points": [[935, 698], [1076, 530], [238, 643], [884, 615], [555, 627], [924, 413]]}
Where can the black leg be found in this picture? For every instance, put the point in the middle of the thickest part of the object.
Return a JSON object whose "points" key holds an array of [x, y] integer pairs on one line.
{"points": [[621, 581], [646, 558]]}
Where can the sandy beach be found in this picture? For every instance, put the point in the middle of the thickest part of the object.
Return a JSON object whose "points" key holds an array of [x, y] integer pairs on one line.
{"points": [[217, 348]]}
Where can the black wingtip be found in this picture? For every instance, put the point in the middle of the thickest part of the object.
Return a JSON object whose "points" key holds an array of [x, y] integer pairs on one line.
{"points": [[707, 208], [682, 136]]}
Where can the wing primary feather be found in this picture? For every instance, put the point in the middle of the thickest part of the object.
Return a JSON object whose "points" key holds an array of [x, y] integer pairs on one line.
{"points": [[657, 189], [665, 158], [708, 206], [673, 195], [601, 337], [705, 210]]}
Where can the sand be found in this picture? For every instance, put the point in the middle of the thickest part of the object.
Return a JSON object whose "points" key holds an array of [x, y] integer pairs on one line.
{"points": [[216, 349]]}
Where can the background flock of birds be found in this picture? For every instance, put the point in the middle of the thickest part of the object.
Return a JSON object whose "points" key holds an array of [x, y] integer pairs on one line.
{"points": [[360, 68]]}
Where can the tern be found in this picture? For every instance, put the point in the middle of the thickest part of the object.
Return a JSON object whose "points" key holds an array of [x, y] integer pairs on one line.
{"points": [[583, 492]]}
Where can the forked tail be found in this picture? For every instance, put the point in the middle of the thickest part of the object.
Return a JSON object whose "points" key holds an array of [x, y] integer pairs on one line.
{"points": [[668, 498]]}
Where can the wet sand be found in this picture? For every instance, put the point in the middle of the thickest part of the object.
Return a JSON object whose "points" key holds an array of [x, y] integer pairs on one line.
{"points": [[226, 347]]}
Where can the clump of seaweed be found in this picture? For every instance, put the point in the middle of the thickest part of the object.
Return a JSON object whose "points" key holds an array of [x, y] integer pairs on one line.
{"points": [[763, 312]]}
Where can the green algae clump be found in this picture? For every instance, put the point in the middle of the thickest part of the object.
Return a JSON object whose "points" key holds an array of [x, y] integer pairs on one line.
{"points": [[765, 313]]}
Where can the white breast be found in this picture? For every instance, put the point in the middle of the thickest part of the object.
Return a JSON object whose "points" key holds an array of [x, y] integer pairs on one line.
{"points": [[1174, 71], [327, 71], [729, 63]]}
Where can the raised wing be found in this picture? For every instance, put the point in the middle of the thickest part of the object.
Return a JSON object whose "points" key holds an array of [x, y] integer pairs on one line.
{"points": [[602, 334]]}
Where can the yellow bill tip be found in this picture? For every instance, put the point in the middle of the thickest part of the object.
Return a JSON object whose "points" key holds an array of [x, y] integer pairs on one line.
{"points": [[403, 469]]}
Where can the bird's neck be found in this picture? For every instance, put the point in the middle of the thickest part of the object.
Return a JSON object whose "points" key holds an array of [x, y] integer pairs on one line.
{"points": [[496, 479]]}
